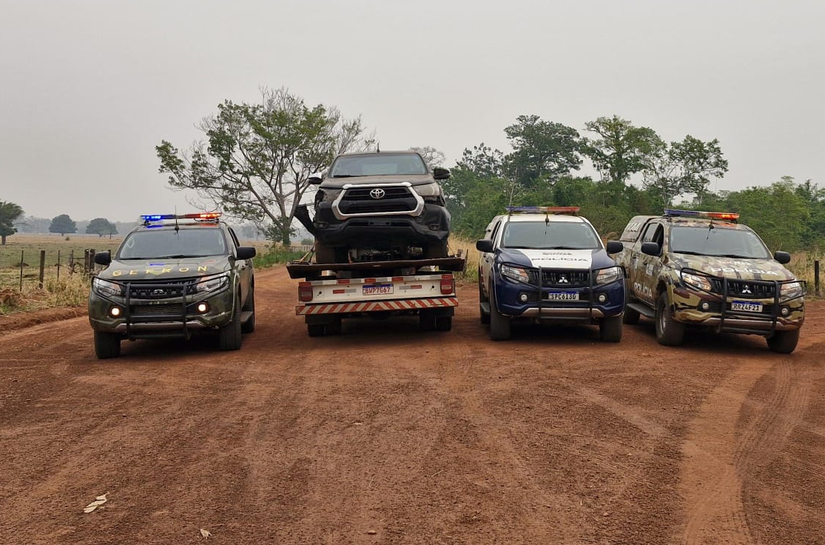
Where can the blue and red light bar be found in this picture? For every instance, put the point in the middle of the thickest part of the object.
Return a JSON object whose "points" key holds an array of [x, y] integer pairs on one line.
{"points": [[200, 216], [543, 209], [675, 213]]}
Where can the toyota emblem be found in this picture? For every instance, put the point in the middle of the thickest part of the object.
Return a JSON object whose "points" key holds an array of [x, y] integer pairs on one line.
{"points": [[377, 193]]}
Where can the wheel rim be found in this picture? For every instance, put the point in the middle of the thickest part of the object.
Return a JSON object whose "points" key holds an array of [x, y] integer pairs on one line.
{"points": [[662, 310]]}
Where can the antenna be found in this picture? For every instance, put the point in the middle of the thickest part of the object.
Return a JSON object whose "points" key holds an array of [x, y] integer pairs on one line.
{"points": [[378, 147]]}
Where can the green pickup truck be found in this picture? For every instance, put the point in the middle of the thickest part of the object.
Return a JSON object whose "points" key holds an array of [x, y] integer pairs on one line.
{"points": [[174, 276]]}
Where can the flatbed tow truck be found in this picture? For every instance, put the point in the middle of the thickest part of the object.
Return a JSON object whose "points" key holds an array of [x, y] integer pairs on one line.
{"points": [[330, 292]]}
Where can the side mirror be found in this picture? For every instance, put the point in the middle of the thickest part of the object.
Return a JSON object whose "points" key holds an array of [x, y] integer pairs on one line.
{"points": [[104, 258], [246, 252], [440, 173], [484, 245], [315, 179], [783, 257], [614, 246], [650, 248]]}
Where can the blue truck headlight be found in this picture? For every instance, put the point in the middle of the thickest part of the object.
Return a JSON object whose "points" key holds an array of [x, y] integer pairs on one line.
{"points": [[212, 283], [608, 275], [696, 281], [515, 273], [106, 288]]}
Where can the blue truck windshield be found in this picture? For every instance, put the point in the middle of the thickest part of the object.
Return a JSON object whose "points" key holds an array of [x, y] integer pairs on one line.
{"points": [[552, 235]]}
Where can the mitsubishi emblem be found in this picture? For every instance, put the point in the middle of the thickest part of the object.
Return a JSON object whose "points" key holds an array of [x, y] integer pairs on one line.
{"points": [[746, 289], [377, 193], [563, 280]]}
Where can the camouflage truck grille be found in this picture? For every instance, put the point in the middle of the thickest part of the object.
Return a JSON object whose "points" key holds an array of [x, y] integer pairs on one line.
{"points": [[746, 289], [562, 279], [360, 200]]}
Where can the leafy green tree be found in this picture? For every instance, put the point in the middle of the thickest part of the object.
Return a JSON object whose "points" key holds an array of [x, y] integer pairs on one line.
{"points": [[258, 157], [621, 149], [63, 224], [101, 227], [543, 151], [777, 213], [9, 212], [684, 167]]}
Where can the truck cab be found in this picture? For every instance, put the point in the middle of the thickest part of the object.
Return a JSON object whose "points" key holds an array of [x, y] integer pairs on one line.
{"points": [[546, 264], [692, 268]]}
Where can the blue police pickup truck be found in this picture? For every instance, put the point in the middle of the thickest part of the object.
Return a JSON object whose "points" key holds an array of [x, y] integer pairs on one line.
{"points": [[547, 264]]}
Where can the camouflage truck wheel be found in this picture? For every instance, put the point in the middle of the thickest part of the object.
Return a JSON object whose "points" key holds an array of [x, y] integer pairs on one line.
{"points": [[669, 332], [230, 335], [107, 345], [784, 342]]}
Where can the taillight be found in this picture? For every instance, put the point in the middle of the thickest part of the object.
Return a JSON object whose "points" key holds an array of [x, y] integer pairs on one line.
{"points": [[447, 284], [305, 292]]}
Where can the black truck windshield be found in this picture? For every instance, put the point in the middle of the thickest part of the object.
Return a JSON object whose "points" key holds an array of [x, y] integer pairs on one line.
{"points": [[556, 235], [382, 164], [718, 241], [168, 243]]}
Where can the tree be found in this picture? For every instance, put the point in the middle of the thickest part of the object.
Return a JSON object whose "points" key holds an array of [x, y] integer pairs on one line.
{"points": [[683, 167], [431, 156], [543, 151], [101, 227], [777, 212], [258, 157], [622, 149], [63, 224], [8, 213]]}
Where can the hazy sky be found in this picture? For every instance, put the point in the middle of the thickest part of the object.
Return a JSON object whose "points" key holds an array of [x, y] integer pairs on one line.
{"points": [[88, 88]]}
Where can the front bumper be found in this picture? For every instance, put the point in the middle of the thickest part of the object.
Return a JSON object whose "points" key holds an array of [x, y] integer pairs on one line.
{"points": [[689, 307], [586, 308], [381, 232], [150, 318]]}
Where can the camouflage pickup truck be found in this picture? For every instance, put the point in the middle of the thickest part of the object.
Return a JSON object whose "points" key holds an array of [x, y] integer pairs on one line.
{"points": [[690, 268], [174, 276]]}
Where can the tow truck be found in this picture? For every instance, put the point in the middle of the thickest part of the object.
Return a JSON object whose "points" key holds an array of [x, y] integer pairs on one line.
{"points": [[379, 289]]}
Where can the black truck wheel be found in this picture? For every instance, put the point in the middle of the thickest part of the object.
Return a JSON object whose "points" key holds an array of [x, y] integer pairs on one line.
{"points": [[485, 316], [230, 335], [784, 342], [107, 345], [669, 332]]}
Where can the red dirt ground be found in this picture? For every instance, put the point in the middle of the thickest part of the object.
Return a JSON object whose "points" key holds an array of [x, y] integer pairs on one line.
{"points": [[389, 435]]}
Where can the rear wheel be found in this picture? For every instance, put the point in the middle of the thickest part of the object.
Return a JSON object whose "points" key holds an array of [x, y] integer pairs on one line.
{"points": [[426, 321], [316, 330], [784, 342], [324, 253], [669, 332], [107, 345], [230, 335], [499, 323], [610, 329], [444, 323], [438, 249], [334, 327]]}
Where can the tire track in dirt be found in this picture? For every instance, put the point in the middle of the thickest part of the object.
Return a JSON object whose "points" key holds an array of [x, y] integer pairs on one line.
{"points": [[720, 458]]}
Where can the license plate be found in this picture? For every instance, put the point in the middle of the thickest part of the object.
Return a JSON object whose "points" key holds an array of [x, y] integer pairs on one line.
{"points": [[563, 296], [746, 306], [378, 289]]}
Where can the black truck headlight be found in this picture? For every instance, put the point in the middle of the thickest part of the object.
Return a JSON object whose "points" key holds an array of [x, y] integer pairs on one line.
{"points": [[106, 288], [212, 283], [515, 273]]}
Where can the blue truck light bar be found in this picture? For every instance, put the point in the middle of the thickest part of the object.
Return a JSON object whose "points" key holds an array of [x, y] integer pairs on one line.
{"points": [[198, 216]]}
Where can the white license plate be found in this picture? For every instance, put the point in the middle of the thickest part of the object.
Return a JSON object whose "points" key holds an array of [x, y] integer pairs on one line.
{"points": [[378, 289], [745, 306], [563, 296]]}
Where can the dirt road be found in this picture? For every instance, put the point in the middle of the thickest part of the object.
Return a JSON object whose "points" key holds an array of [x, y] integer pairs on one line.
{"points": [[389, 435]]}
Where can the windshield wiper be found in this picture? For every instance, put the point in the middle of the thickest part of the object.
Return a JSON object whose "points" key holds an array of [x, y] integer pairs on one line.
{"points": [[688, 252], [345, 176], [733, 256], [566, 248]]}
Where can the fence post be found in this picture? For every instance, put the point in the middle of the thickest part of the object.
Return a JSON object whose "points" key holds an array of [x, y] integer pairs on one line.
{"points": [[816, 277], [42, 268], [58, 264], [71, 262], [22, 253]]}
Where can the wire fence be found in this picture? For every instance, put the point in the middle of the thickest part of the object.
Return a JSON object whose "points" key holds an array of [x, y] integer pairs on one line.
{"points": [[28, 268]]}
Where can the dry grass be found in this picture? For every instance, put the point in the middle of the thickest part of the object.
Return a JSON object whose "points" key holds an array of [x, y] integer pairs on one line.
{"points": [[467, 247], [802, 265]]}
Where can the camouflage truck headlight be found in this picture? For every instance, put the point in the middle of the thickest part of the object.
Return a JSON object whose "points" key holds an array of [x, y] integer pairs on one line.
{"points": [[696, 281], [791, 290], [515, 273], [212, 283], [608, 275], [106, 288]]}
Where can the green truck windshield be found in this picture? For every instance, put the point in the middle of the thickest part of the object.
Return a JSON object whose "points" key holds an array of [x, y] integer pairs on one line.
{"points": [[168, 243]]}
